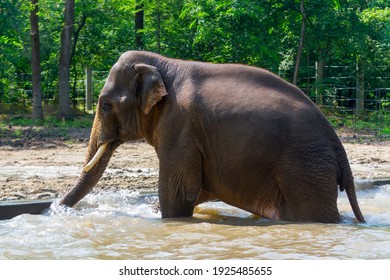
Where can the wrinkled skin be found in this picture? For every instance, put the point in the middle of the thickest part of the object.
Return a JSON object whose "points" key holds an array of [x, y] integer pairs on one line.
{"points": [[230, 132]]}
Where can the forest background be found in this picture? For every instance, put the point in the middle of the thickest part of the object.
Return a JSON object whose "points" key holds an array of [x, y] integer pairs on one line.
{"points": [[336, 51]]}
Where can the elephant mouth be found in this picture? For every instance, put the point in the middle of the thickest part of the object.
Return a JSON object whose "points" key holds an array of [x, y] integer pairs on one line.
{"points": [[96, 157]]}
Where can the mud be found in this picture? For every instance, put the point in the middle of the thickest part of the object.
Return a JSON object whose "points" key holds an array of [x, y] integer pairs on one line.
{"points": [[48, 170]]}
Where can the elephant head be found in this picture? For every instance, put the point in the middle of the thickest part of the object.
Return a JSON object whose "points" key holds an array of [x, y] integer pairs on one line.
{"points": [[125, 105]]}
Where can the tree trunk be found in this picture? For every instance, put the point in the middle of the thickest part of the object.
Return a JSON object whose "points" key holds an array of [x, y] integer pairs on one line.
{"points": [[88, 89], [81, 25], [64, 63], [158, 27], [139, 24], [300, 45], [36, 64]]}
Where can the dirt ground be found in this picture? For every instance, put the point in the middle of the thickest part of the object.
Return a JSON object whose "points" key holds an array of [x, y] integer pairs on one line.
{"points": [[48, 169]]}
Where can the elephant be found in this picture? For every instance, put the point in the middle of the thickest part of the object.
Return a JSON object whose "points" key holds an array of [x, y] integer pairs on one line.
{"points": [[229, 132]]}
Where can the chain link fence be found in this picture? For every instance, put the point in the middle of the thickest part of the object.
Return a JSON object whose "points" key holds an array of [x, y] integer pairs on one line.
{"points": [[343, 108], [341, 104]]}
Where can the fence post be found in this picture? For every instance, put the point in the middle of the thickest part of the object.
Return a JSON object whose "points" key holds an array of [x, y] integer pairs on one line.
{"points": [[88, 88], [360, 86], [320, 74]]}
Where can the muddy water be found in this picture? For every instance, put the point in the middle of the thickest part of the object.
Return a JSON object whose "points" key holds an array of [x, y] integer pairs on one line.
{"points": [[125, 225]]}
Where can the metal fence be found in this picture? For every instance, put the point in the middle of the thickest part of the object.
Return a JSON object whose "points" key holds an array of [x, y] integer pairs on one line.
{"points": [[343, 108], [339, 103]]}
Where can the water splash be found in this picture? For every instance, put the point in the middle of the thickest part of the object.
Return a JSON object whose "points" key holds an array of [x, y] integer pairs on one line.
{"points": [[112, 203]]}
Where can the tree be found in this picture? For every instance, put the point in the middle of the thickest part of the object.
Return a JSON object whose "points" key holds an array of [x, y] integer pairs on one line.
{"points": [[300, 45], [261, 33], [15, 54], [36, 64], [139, 23], [65, 60]]}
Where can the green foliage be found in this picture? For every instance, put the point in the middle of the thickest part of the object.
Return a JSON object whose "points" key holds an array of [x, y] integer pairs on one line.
{"points": [[14, 54], [386, 131], [262, 33]]}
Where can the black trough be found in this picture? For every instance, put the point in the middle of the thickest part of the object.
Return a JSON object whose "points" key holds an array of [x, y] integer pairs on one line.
{"points": [[371, 183], [381, 182], [10, 209]]}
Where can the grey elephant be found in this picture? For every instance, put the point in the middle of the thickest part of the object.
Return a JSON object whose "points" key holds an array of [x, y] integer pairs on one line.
{"points": [[230, 132]]}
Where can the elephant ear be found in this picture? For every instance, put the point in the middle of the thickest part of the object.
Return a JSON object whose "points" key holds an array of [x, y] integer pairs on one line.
{"points": [[150, 86]]}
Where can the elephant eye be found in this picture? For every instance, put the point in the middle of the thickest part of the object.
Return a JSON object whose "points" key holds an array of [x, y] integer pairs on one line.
{"points": [[106, 106]]}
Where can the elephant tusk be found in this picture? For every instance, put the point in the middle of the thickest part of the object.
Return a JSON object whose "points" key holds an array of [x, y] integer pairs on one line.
{"points": [[96, 158]]}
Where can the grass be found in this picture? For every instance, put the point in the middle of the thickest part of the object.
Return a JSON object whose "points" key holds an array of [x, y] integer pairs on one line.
{"points": [[24, 128], [375, 123], [386, 130], [78, 122]]}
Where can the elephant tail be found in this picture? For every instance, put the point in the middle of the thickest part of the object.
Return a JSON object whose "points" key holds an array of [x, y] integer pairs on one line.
{"points": [[347, 183]]}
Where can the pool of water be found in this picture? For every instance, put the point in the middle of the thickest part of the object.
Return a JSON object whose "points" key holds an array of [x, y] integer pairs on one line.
{"points": [[127, 225]]}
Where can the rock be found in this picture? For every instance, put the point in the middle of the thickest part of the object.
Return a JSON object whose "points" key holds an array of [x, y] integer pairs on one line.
{"points": [[19, 195], [49, 146], [44, 195]]}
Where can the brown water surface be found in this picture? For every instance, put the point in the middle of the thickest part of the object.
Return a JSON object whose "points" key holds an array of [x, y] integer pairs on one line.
{"points": [[125, 225]]}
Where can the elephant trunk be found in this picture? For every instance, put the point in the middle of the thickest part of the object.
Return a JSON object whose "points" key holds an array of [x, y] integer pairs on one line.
{"points": [[95, 163]]}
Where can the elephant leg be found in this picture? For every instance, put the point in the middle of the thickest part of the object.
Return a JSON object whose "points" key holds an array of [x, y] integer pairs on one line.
{"points": [[309, 198], [205, 196], [180, 182]]}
